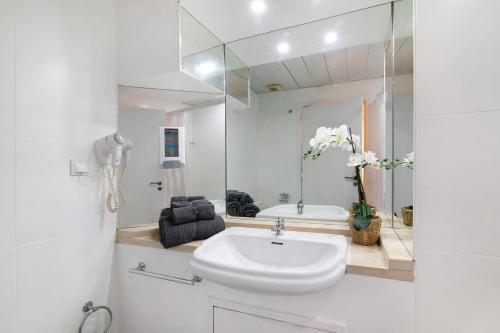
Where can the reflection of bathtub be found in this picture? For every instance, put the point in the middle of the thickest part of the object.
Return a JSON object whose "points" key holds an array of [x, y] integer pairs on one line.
{"points": [[310, 212]]}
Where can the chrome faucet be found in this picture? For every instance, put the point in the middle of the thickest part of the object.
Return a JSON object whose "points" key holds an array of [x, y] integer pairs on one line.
{"points": [[300, 206], [279, 226]]}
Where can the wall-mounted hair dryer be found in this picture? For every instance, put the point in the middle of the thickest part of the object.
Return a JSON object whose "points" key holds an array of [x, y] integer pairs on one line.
{"points": [[113, 152]]}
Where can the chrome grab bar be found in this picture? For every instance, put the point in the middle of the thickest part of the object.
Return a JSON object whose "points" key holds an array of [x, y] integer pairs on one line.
{"points": [[89, 309], [141, 270]]}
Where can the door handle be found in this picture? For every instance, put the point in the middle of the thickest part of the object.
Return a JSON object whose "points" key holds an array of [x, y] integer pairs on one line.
{"points": [[155, 183]]}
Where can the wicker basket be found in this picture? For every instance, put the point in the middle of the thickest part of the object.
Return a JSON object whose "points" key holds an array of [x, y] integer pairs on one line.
{"points": [[407, 214], [368, 236]]}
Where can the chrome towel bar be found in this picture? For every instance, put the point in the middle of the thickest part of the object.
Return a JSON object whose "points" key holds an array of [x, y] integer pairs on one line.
{"points": [[141, 270]]}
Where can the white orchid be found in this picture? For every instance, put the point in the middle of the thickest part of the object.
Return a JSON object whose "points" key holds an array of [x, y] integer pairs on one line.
{"points": [[370, 157], [323, 138], [355, 160], [340, 135]]}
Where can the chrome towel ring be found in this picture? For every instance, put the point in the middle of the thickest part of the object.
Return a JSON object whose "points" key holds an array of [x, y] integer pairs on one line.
{"points": [[89, 309]]}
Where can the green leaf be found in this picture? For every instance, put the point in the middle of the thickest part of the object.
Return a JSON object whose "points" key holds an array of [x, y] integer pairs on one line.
{"points": [[361, 222]]}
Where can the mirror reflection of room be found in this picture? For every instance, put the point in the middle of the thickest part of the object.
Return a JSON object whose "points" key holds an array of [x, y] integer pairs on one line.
{"points": [[178, 139], [299, 84]]}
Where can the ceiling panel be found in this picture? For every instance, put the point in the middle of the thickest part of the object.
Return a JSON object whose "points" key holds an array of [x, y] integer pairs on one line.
{"points": [[283, 77], [337, 65], [316, 64], [375, 61], [356, 62], [404, 57], [299, 72]]}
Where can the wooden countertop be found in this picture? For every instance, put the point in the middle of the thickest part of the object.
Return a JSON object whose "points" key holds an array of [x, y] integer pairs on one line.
{"points": [[388, 260]]}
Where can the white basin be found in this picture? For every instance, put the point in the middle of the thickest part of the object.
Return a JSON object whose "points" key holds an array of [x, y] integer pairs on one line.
{"points": [[258, 260], [310, 212]]}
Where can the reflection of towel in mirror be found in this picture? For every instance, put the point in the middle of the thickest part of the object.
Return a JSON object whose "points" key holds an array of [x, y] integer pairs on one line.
{"points": [[241, 197], [249, 210], [233, 208]]}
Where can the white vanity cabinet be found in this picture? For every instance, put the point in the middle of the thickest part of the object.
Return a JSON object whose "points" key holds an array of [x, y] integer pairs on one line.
{"points": [[231, 321]]}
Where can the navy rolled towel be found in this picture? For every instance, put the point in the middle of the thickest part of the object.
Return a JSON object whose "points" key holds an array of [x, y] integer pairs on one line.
{"points": [[249, 210], [233, 208], [233, 196], [174, 235], [246, 198], [207, 228], [184, 214], [205, 211]]}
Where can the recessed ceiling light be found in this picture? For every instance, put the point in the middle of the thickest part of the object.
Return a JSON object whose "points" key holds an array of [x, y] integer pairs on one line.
{"points": [[205, 68], [331, 37], [258, 6], [283, 47]]}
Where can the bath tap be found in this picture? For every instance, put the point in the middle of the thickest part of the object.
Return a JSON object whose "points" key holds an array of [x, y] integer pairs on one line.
{"points": [[279, 226], [300, 206]]}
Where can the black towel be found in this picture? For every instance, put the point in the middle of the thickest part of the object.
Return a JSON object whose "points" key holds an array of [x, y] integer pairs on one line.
{"points": [[233, 208], [184, 214], [179, 198], [204, 211], [249, 210], [241, 197], [207, 228], [179, 204], [195, 197], [173, 235]]}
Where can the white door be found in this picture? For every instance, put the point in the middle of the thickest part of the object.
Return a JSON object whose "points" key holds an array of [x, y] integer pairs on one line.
{"points": [[143, 182], [229, 321]]}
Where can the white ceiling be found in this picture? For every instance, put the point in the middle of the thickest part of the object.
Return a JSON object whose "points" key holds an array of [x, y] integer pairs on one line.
{"points": [[160, 99], [232, 20]]}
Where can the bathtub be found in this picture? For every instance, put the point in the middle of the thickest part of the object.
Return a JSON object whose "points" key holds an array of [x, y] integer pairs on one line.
{"points": [[310, 212], [219, 206]]}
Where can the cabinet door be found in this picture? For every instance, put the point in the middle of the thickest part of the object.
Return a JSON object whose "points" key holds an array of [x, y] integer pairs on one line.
{"points": [[230, 321]]}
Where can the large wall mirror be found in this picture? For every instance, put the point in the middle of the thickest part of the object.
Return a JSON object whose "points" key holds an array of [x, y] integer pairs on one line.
{"points": [[354, 69], [241, 142]]}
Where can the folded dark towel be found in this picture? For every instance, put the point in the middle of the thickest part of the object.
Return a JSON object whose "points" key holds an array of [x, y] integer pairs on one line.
{"points": [[165, 212], [184, 214], [178, 204], [249, 210], [178, 198], [204, 211], [173, 235], [207, 228], [233, 208], [195, 197]]}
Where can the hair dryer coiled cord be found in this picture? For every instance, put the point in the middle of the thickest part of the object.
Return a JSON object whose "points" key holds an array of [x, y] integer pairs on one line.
{"points": [[116, 198]]}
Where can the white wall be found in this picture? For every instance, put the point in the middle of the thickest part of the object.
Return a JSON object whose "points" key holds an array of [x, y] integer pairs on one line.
{"points": [[457, 178], [205, 152], [364, 304], [57, 95]]}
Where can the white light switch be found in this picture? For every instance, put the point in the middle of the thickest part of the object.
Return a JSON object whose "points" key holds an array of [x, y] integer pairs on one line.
{"points": [[79, 167]]}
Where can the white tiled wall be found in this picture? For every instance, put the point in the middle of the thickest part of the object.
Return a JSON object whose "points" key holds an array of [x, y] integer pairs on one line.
{"points": [[57, 96], [457, 178]]}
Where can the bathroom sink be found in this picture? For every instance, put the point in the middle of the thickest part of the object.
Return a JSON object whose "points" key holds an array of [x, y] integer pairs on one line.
{"points": [[261, 261]]}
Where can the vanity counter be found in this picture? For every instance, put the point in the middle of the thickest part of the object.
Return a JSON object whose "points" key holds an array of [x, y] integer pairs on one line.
{"points": [[388, 260]]}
